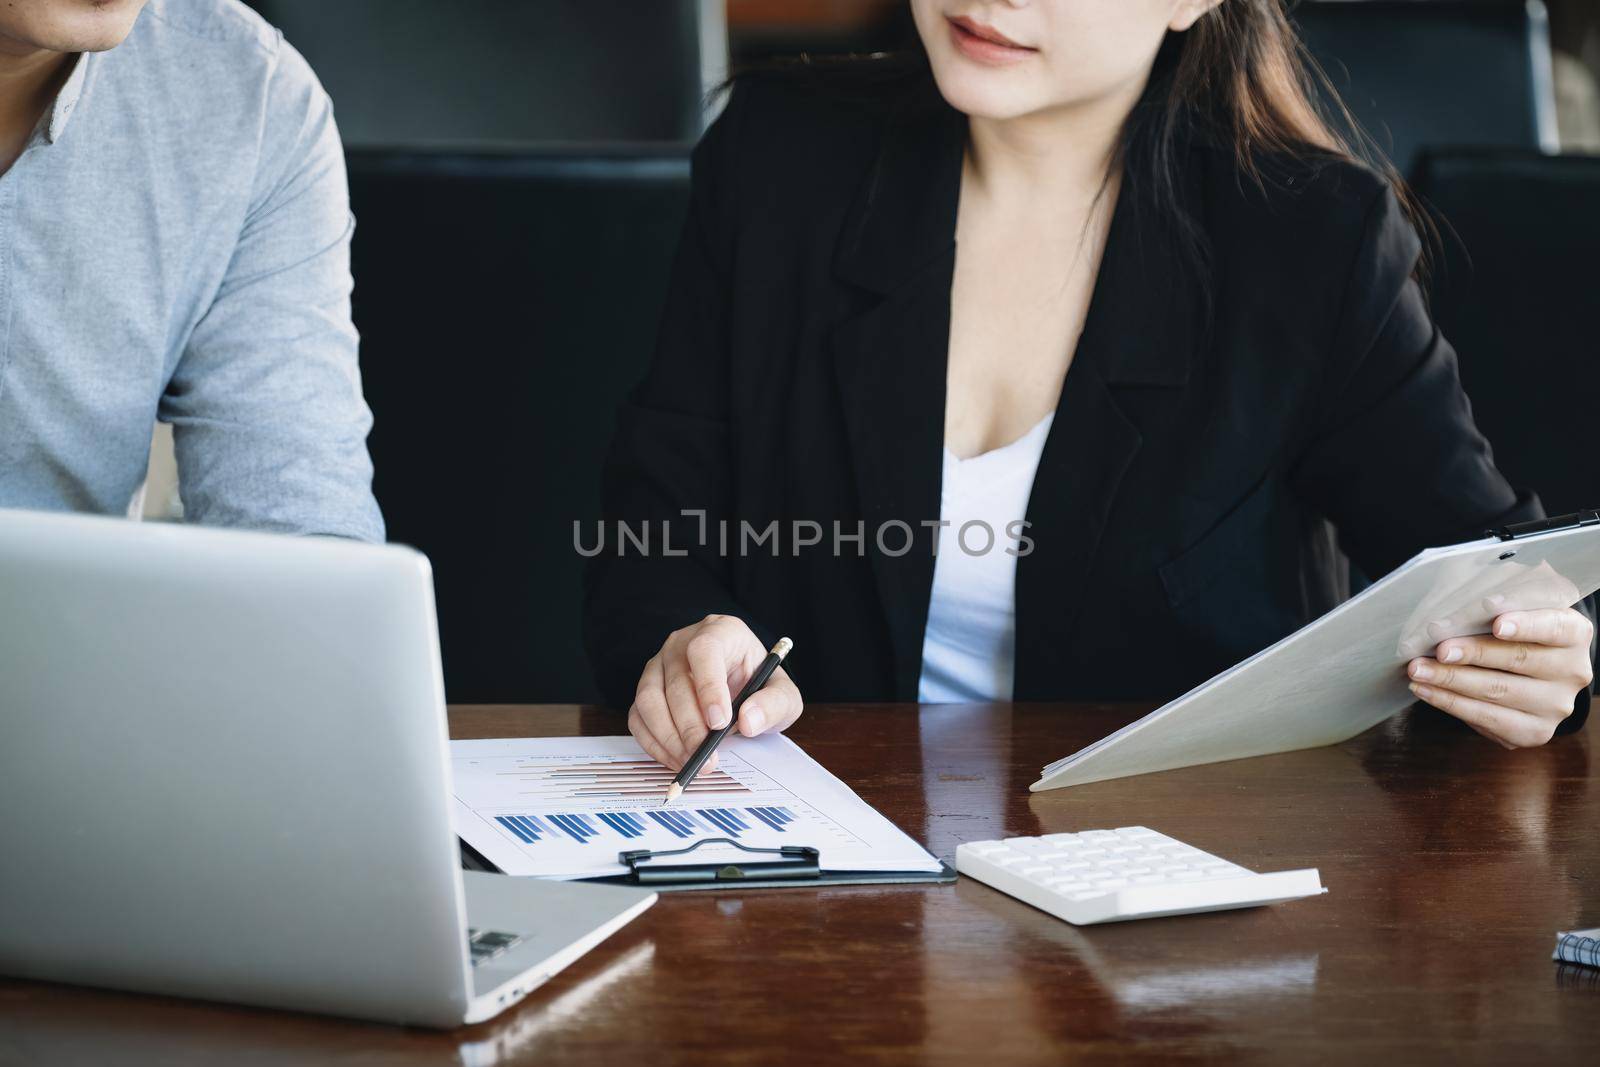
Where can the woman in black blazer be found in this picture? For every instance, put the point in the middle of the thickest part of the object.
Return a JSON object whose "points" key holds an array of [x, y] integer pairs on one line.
{"points": [[1123, 212]]}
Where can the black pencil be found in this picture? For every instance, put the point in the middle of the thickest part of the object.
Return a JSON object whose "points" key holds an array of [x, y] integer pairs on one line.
{"points": [[714, 738]]}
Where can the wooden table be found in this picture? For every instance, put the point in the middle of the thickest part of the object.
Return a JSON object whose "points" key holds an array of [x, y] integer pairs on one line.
{"points": [[1450, 864]]}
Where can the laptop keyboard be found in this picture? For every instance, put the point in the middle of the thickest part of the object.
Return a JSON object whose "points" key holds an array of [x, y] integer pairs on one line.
{"points": [[487, 944]]}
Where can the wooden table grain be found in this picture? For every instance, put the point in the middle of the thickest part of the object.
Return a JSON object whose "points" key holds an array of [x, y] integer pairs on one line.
{"points": [[1450, 864]]}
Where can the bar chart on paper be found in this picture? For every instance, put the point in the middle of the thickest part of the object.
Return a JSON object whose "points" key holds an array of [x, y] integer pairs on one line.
{"points": [[632, 780], [582, 827], [565, 807]]}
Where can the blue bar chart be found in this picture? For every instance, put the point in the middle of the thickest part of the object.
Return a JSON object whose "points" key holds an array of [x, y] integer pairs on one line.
{"points": [[598, 808], [612, 827]]}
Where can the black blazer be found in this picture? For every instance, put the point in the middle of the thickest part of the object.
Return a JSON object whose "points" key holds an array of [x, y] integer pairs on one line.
{"points": [[1212, 461]]}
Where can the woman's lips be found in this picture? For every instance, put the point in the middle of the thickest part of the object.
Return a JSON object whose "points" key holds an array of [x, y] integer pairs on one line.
{"points": [[984, 43]]}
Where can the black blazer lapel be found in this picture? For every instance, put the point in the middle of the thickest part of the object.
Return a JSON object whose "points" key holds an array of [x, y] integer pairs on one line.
{"points": [[1146, 321], [890, 361], [890, 367], [1090, 448]]}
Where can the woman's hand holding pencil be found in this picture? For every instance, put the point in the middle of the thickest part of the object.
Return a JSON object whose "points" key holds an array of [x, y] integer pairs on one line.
{"points": [[686, 691]]}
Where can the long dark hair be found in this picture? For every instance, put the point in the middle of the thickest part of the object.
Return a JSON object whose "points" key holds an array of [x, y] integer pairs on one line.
{"points": [[1239, 76], [1242, 74]]}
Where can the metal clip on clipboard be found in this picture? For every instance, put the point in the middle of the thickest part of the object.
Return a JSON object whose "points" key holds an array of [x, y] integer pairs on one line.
{"points": [[801, 867], [803, 863]]}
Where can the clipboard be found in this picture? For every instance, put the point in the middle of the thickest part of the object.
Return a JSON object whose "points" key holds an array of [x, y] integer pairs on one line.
{"points": [[1344, 672], [582, 808], [795, 867]]}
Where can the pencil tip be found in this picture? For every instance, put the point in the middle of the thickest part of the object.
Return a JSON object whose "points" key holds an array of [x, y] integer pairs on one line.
{"points": [[673, 792]]}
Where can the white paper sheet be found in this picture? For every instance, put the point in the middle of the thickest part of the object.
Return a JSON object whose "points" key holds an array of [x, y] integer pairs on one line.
{"points": [[563, 807]]}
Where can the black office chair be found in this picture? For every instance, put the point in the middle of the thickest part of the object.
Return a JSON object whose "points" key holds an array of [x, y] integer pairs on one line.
{"points": [[505, 306], [1419, 73], [467, 75], [1514, 290]]}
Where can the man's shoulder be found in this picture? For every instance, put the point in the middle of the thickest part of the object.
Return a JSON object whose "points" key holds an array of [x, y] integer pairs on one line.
{"points": [[224, 107], [227, 50], [228, 72], [225, 24]]}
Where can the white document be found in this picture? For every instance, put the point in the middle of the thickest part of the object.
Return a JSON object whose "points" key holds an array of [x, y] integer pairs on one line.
{"points": [[1345, 672], [563, 807]]}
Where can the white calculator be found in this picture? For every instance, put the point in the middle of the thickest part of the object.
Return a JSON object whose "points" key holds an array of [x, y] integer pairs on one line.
{"points": [[1103, 876]]}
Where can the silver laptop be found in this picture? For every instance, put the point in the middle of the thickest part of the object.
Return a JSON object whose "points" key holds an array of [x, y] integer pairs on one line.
{"points": [[224, 774]]}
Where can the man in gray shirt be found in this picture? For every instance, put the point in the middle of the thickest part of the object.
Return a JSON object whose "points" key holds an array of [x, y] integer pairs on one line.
{"points": [[175, 245]]}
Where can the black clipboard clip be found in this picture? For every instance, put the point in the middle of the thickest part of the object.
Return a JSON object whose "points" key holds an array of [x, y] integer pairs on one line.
{"points": [[803, 863], [1589, 517]]}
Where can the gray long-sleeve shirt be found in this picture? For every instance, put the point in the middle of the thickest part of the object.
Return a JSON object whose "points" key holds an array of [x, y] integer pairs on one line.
{"points": [[175, 244]]}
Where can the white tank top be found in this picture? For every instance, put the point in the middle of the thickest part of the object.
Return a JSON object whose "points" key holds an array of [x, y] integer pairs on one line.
{"points": [[969, 646]]}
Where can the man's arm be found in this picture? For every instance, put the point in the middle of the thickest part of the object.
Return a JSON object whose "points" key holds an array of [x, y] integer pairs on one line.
{"points": [[269, 423]]}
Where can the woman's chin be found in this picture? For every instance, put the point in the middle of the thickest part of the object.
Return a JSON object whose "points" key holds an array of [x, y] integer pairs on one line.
{"points": [[985, 95]]}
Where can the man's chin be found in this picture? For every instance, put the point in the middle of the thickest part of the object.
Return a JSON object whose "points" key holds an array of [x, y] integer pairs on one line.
{"points": [[77, 26], [100, 43]]}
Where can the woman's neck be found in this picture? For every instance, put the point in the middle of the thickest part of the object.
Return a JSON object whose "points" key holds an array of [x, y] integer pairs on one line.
{"points": [[1062, 155]]}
